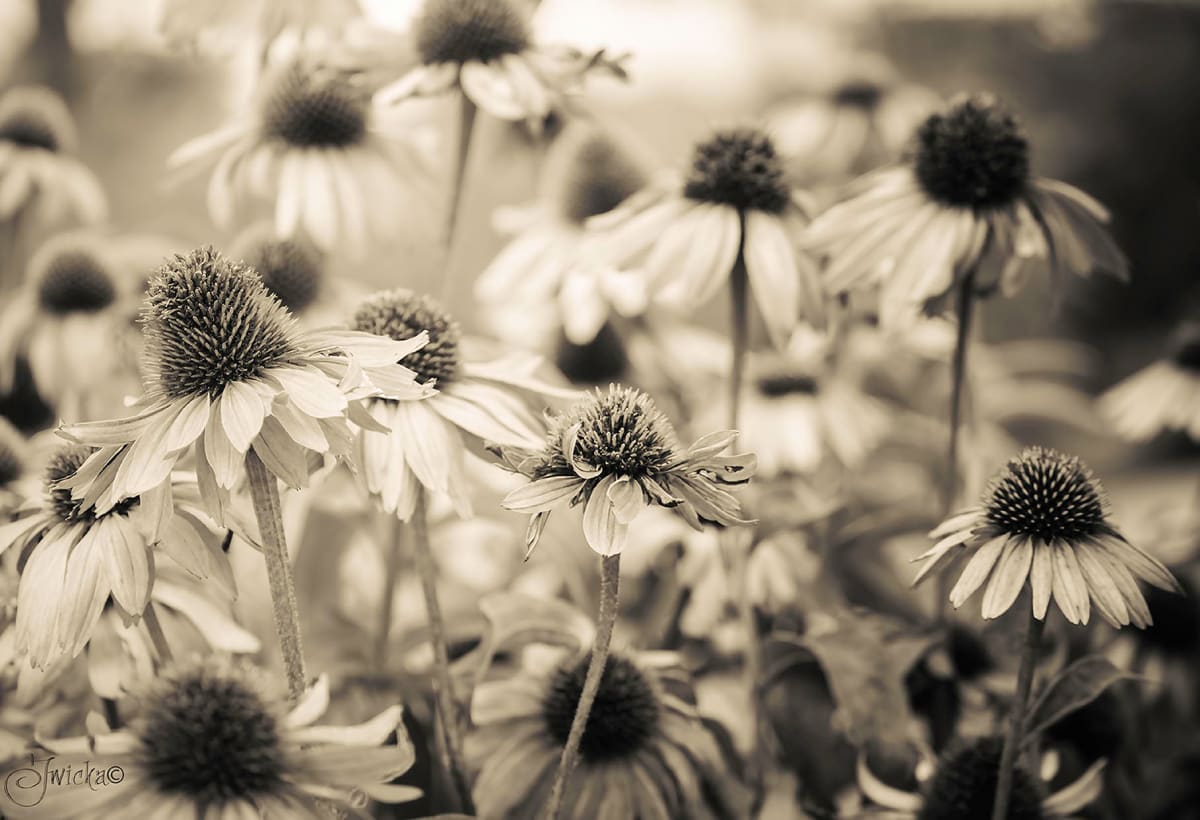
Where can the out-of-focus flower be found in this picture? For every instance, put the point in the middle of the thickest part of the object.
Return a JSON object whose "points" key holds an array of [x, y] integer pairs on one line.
{"points": [[857, 124], [194, 616], [964, 205], [616, 454], [485, 48], [228, 22], [228, 370], [1044, 519], [588, 173], [964, 785], [67, 320], [1164, 396], [12, 464], [419, 438], [40, 181], [646, 752], [213, 740], [734, 208], [74, 558], [315, 149], [802, 413]]}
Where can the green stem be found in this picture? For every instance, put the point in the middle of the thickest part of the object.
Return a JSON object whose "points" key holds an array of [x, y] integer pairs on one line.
{"points": [[393, 534], [1016, 724], [154, 627], [264, 493], [466, 126], [610, 591], [447, 707]]}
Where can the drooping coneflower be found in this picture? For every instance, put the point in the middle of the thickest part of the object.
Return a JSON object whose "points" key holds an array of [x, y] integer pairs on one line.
{"points": [[211, 739], [1162, 397], [314, 149]]}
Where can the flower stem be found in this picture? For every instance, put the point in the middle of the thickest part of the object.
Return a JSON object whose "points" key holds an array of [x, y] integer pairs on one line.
{"points": [[466, 126], [447, 707], [393, 534], [1016, 725], [161, 647], [966, 303], [610, 589], [739, 328], [264, 493]]}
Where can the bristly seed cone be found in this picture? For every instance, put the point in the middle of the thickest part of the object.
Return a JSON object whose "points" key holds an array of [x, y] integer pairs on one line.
{"points": [[972, 155], [208, 736], [314, 108], [1046, 495], [459, 31], [292, 269], [624, 715], [596, 177], [965, 786], [209, 322], [739, 168], [621, 432], [401, 314], [64, 464], [35, 117], [74, 280]]}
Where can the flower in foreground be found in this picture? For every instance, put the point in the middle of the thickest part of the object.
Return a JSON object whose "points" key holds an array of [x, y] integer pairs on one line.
{"points": [[316, 151], [39, 177], [964, 785], [645, 752], [587, 174], [212, 740], [615, 453], [1044, 519], [1162, 397], [485, 48], [964, 205], [73, 558], [228, 372], [733, 209], [418, 440]]}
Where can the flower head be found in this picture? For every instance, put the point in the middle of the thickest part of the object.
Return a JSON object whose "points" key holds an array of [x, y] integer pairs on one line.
{"points": [[1162, 397], [964, 785], [227, 370], [732, 214], [317, 152], [630, 761], [615, 453], [485, 47], [1044, 518], [292, 269], [212, 739], [964, 204], [420, 440]]}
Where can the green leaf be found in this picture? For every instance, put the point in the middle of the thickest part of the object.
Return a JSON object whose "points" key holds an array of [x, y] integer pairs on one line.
{"points": [[1073, 688]]}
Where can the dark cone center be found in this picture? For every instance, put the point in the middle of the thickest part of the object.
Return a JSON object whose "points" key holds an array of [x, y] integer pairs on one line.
{"points": [[1045, 494], [739, 168], [624, 715], [401, 314]]}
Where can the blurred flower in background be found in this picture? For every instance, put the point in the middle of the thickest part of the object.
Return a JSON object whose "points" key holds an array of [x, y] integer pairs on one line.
{"points": [[1164, 396]]}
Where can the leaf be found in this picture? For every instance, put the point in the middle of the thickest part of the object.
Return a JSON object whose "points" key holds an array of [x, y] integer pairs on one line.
{"points": [[1073, 688], [865, 658]]}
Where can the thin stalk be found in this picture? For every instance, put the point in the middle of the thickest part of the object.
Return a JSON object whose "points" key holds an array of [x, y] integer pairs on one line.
{"points": [[264, 493], [610, 592], [466, 126], [393, 533], [739, 330], [1016, 724], [965, 311], [447, 708], [161, 647]]}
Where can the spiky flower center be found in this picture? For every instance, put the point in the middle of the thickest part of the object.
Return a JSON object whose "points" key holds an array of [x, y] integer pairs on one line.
{"points": [[209, 322], [1185, 347], [739, 168], [776, 385], [401, 314], [291, 269], [458, 31], [600, 361], [862, 94], [620, 432], [74, 281], [209, 737], [1046, 495], [623, 718], [965, 786], [598, 177], [34, 117], [63, 464], [972, 155], [314, 108]]}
